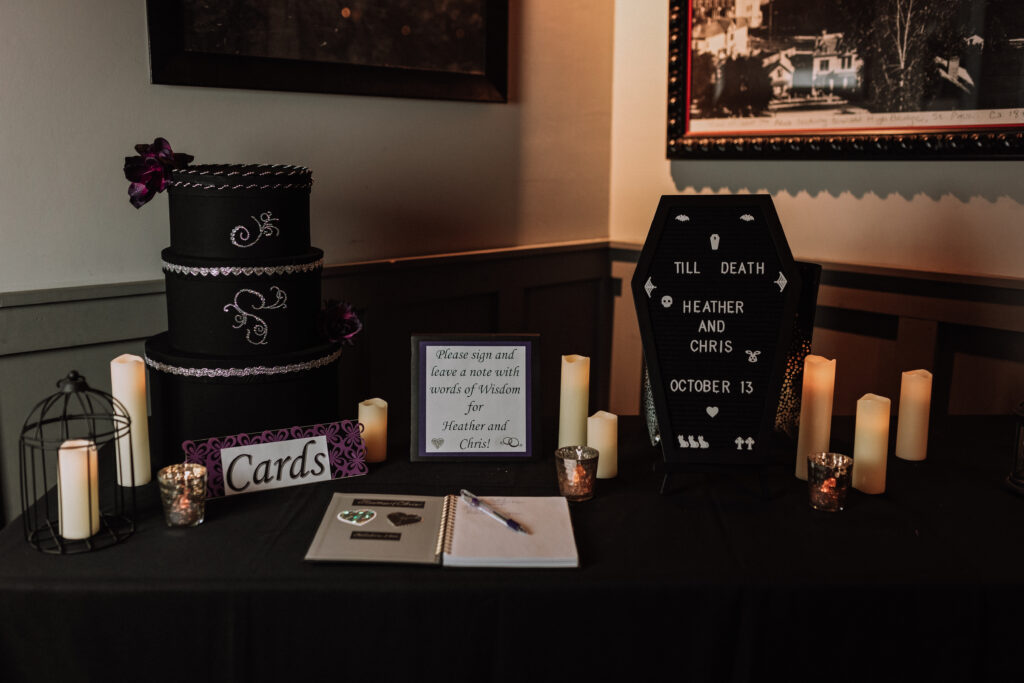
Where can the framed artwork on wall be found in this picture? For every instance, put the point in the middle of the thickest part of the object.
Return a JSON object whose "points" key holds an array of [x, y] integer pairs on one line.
{"points": [[838, 79], [434, 49]]}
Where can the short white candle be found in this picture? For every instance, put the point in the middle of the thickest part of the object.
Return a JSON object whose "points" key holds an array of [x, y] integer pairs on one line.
{"points": [[78, 499], [373, 415], [603, 435], [128, 385], [815, 410], [912, 423], [871, 443], [573, 401]]}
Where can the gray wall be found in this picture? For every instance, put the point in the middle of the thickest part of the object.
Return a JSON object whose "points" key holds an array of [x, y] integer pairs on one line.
{"points": [[393, 176]]}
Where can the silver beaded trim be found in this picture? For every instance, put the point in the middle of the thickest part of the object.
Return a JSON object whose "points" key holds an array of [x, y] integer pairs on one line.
{"points": [[264, 169], [274, 171], [250, 186], [248, 271], [254, 371]]}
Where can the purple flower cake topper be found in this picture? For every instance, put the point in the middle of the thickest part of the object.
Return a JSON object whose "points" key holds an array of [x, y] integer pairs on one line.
{"points": [[149, 173], [339, 322]]}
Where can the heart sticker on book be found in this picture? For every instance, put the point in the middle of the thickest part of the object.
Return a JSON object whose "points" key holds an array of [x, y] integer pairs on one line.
{"points": [[437, 441], [403, 518], [357, 517]]}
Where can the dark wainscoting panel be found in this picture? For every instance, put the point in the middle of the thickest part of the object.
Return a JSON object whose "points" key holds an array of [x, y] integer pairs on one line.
{"points": [[561, 293]]}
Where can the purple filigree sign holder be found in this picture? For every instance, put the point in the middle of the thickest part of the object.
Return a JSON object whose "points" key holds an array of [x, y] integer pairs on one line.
{"points": [[277, 458]]}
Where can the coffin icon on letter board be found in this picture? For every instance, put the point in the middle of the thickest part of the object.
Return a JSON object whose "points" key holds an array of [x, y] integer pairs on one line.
{"points": [[716, 355]]}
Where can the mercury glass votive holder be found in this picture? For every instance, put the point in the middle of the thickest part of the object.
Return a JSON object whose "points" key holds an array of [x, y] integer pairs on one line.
{"points": [[577, 470], [828, 480], [183, 494]]}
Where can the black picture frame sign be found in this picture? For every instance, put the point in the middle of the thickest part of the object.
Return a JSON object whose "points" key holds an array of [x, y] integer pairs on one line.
{"points": [[716, 291], [475, 397], [175, 61]]}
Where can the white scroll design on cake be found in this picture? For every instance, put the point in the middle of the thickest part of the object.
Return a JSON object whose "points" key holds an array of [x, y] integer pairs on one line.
{"points": [[265, 227], [256, 328]]}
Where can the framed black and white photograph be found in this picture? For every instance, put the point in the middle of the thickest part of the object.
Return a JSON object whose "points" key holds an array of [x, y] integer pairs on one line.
{"points": [[846, 79], [435, 49], [475, 397]]}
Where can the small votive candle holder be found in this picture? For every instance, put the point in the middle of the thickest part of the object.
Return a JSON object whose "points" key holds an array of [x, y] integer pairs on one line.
{"points": [[577, 470], [828, 480], [183, 494]]}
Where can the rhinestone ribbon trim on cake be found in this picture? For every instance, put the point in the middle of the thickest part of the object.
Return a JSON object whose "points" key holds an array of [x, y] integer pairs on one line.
{"points": [[254, 371], [249, 271]]}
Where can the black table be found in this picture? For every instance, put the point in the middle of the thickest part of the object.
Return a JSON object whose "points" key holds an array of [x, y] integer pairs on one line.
{"points": [[712, 582]]}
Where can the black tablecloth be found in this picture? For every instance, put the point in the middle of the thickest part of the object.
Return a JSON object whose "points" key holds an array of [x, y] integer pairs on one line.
{"points": [[730, 577]]}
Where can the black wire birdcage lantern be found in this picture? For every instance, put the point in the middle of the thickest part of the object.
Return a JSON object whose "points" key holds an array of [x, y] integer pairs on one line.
{"points": [[74, 446]]}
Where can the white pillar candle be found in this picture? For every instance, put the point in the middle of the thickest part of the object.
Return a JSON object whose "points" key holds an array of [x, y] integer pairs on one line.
{"points": [[78, 499], [815, 410], [128, 385], [573, 401], [373, 415], [871, 443], [912, 423], [603, 435]]}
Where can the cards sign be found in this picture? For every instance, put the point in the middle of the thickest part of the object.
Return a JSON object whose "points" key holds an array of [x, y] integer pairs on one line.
{"points": [[715, 290], [277, 458]]}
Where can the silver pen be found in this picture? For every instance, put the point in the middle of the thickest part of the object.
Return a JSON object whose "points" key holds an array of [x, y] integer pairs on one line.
{"points": [[483, 507]]}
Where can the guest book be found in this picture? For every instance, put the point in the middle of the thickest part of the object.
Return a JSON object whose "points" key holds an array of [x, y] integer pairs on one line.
{"points": [[444, 530]]}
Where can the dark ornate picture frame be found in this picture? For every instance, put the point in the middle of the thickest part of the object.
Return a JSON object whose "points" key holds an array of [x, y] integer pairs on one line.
{"points": [[193, 43], [725, 68]]}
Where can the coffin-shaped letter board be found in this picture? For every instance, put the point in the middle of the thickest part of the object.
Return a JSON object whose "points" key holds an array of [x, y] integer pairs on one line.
{"points": [[716, 290]]}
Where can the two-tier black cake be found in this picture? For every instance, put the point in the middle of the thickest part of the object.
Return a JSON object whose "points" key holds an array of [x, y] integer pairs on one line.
{"points": [[242, 352]]}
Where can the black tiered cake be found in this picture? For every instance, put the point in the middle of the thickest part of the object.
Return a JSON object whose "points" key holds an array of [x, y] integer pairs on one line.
{"points": [[242, 352]]}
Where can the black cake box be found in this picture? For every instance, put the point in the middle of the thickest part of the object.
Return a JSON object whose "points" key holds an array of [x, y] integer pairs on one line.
{"points": [[242, 307], [230, 211], [242, 352], [198, 397]]}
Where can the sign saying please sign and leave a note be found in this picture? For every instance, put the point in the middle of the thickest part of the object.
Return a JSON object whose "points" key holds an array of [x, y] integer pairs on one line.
{"points": [[716, 291], [473, 397]]}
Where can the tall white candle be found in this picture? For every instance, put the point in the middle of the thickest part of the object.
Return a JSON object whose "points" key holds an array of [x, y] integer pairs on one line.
{"points": [[815, 410], [912, 423], [373, 415], [603, 435], [78, 500], [128, 385], [871, 443], [573, 401]]}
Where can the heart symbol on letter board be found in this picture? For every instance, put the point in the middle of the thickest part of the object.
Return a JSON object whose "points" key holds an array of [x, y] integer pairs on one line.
{"points": [[357, 517], [437, 441], [712, 410]]}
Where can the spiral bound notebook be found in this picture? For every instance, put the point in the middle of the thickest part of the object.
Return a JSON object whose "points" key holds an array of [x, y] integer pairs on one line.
{"points": [[444, 530]]}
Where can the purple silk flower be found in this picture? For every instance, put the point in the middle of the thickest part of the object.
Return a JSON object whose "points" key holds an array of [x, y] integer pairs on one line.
{"points": [[150, 172], [339, 322]]}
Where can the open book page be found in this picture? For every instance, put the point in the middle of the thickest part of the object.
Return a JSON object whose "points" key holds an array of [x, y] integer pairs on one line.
{"points": [[379, 528], [480, 541]]}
